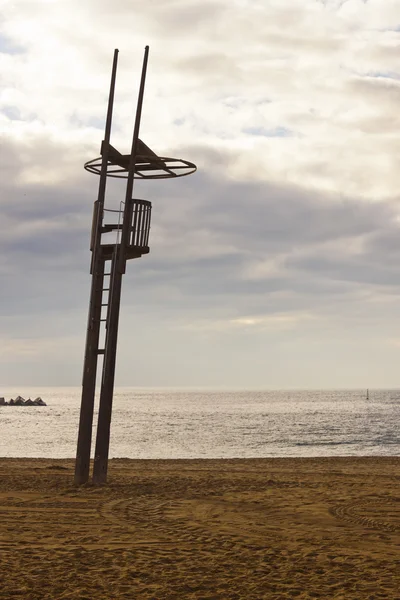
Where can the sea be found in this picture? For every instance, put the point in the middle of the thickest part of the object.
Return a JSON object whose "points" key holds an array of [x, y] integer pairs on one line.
{"points": [[198, 423]]}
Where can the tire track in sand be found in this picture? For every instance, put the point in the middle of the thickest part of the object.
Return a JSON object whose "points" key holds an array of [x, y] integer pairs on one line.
{"points": [[379, 512], [201, 522]]}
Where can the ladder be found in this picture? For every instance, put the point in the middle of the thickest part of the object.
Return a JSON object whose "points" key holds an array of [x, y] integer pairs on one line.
{"points": [[109, 279]]}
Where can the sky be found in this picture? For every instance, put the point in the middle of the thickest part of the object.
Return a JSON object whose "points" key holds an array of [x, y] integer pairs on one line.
{"points": [[276, 265]]}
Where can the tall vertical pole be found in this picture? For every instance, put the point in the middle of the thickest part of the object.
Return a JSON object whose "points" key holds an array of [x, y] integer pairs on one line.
{"points": [[82, 463], [118, 268]]}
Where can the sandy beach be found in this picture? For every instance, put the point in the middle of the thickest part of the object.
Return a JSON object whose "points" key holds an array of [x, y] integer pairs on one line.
{"points": [[202, 529]]}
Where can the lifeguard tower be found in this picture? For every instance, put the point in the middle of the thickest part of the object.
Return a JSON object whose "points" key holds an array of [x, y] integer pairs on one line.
{"points": [[130, 225]]}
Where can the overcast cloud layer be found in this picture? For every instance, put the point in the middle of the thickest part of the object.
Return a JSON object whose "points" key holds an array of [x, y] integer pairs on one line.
{"points": [[278, 263]]}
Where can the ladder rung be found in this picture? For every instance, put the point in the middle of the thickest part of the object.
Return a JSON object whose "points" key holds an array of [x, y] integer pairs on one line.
{"points": [[101, 351], [103, 320], [105, 304], [106, 289]]}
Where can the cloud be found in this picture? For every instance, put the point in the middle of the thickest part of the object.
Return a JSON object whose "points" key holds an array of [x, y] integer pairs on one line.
{"points": [[286, 239]]}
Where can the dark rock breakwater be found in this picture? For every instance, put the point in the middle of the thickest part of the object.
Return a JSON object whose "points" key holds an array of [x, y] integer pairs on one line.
{"points": [[19, 401]]}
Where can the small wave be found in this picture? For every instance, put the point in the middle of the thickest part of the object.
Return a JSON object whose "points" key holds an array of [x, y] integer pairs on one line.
{"points": [[384, 440], [345, 443]]}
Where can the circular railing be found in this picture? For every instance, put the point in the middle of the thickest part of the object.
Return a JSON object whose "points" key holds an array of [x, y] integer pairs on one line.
{"points": [[161, 167]]}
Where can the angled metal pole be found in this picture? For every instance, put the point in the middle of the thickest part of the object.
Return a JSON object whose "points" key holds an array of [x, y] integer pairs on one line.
{"points": [[100, 465], [132, 164], [93, 328], [117, 269]]}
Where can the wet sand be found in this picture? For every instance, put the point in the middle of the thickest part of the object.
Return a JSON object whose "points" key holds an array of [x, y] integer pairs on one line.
{"points": [[202, 529]]}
